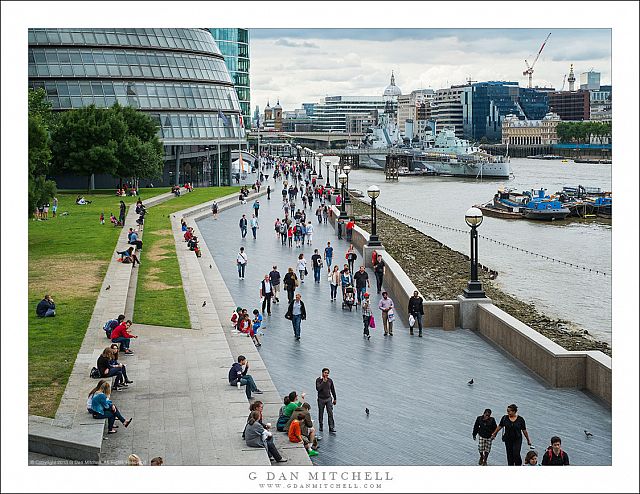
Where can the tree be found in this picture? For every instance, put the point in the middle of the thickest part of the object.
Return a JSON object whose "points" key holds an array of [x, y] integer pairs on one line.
{"points": [[41, 190]]}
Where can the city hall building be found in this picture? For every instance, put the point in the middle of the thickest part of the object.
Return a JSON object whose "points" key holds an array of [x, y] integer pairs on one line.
{"points": [[176, 76]]}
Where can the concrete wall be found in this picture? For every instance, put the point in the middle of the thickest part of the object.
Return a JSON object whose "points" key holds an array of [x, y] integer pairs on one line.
{"points": [[559, 367]]}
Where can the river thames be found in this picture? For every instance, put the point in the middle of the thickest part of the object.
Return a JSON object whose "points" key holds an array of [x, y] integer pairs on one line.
{"points": [[557, 289]]}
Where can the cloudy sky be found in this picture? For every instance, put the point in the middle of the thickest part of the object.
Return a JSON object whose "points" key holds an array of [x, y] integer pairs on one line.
{"points": [[304, 65]]}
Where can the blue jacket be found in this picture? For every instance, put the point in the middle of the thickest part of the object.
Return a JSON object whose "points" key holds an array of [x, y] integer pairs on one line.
{"points": [[43, 306], [100, 403], [236, 372]]}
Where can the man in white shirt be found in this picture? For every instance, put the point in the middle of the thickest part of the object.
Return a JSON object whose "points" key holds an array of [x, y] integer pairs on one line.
{"points": [[254, 225], [241, 261], [266, 292]]}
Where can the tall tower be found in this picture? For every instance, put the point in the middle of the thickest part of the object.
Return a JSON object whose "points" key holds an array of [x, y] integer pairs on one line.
{"points": [[277, 116], [571, 79], [268, 112]]}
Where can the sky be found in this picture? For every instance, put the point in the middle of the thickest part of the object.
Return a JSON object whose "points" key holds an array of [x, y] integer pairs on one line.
{"points": [[304, 65]]}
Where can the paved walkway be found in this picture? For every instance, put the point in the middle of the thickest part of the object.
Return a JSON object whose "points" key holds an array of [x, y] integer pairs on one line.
{"points": [[422, 410]]}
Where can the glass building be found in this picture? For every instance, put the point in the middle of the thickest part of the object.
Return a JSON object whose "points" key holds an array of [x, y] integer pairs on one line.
{"points": [[234, 46], [177, 76]]}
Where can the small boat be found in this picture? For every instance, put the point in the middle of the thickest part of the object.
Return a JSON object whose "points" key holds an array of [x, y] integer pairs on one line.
{"points": [[602, 207], [356, 193], [531, 206], [545, 209], [565, 161], [489, 209]]}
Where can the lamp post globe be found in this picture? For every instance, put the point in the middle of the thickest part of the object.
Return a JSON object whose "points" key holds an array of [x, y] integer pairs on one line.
{"points": [[374, 192], [473, 217]]}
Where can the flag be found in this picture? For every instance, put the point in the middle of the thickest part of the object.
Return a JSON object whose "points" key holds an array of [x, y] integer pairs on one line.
{"points": [[241, 121], [223, 117], [241, 161]]}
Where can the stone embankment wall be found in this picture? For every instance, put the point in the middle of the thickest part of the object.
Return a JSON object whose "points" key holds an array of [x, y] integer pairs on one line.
{"points": [[440, 273]]}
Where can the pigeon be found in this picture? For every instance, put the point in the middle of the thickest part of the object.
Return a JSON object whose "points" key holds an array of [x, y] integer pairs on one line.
{"points": [[366, 410], [204, 303], [108, 287], [210, 267], [587, 433], [470, 382]]}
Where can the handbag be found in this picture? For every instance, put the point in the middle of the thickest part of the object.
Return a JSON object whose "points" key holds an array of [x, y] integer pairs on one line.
{"points": [[329, 278], [372, 322], [95, 373], [306, 272], [391, 315], [412, 320]]}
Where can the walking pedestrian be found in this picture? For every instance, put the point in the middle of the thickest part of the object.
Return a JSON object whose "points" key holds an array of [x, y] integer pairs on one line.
{"points": [[361, 279], [256, 206], [309, 232], [485, 424], [316, 263], [274, 277], [123, 210], [268, 192], [325, 214], [241, 261], [290, 232], [266, 292], [388, 315], [319, 214], [416, 310], [302, 267], [326, 389], [366, 315], [328, 256], [54, 207], [514, 427], [214, 210], [290, 282], [346, 279], [243, 225], [379, 270], [351, 257], [334, 281], [555, 455], [254, 225], [296, 313]]}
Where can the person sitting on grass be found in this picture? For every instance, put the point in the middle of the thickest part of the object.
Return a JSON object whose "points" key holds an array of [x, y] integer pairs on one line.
{"points": [[121, 335], [46, 307], [117, 365], [128, 257], [257, 436], [107, 370], [295, 435], [103, 408], [93, 392]]}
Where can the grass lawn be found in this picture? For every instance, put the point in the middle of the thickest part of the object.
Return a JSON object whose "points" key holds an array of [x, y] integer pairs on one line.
{"points": [[159, 294], [68, 258]]}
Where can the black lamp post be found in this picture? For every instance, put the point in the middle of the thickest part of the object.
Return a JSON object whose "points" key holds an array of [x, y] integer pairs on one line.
{"points": [[319, 166], [373, 192], [299, 148], [335, 167], [347, 169], [473, 217], [343, 212], [328, 164]]}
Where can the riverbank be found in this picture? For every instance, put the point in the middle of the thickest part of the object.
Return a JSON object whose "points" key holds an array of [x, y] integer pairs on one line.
{"points": [[441, 273]]}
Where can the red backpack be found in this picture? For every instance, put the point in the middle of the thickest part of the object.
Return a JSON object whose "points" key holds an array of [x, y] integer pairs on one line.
{"points": [[550, 450]]}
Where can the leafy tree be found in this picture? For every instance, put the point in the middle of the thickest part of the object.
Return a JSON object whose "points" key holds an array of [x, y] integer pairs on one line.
{"points": [[41, 119]]}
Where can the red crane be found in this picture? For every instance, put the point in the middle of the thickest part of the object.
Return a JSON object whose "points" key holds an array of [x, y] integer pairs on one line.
{"points": [[529, 70]]}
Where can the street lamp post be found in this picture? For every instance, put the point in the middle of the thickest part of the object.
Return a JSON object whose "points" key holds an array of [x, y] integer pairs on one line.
{"points": [[347, 169], [373, 192], [319, 166], [343, 212], [335, 167], [473, 217], [299, 148], [328, 164]]}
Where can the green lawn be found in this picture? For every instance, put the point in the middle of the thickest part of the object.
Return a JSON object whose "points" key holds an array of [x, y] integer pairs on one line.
{"points": [[68, 258], [159, 294]]}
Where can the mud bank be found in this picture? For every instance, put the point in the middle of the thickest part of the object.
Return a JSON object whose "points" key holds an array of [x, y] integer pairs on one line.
{"points": [[442, 273]]}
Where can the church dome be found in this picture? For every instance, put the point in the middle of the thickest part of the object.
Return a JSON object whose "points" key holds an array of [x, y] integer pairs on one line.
{"points": [[392, 91], [277, 107]]}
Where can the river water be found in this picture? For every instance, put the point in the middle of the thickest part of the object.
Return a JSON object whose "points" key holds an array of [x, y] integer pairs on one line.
{"points": [[558, 290]]}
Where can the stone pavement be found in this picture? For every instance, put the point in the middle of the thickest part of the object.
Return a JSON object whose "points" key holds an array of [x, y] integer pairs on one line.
{"points": [[422, 410]]}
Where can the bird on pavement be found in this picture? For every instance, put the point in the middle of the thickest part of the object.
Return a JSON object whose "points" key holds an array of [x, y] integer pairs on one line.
{"points": [[366, 410], [204, 303], [587, 433], [210, 267], [470, 382], [109, 286]]}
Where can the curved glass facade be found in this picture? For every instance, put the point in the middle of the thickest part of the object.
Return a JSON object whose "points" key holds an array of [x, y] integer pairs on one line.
{"points": [[177, 76]]}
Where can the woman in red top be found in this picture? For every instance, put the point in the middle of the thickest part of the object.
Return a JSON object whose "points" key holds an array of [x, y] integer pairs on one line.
{"points": [[121, 335]]}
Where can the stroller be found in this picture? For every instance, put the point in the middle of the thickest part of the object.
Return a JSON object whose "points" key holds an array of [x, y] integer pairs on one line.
{"points": [[348, 297]]}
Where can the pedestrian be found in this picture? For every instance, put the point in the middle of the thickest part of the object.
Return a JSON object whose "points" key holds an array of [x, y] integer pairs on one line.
{"points": [[243, 226], [388, 315], [514, 427], [346, 279], [416, 310], [555, 455], [334, 281], [316, 263], [274, 278], [254, 225], [340, 224], [214, 210], [296, 313], [54, 207], [256, 206], [349, 227], [366, 315], [284, 193], [266, 292], [351, 257], [325, 214], [268, 192], [290, 282], [302, 267], [531, 459], [319, 214], [256, 324], [123, 210], [102, 218], [485, 424], [361, 279], [379, 270], [290, 232], [309, 232], [241, 261], [328, 256], [326, 389]]}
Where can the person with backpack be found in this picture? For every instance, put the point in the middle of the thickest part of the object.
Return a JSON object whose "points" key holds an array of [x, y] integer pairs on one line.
{"points": [[256, 207], [554, 455], [514, 427], [111, 324]]}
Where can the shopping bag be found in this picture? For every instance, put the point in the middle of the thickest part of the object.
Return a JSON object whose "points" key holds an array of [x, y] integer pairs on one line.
{"points": [[372, 322], [391, 316], [412, 321]]}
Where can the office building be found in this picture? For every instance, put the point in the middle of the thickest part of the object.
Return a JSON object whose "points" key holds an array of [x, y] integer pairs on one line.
{"points": [[517, 132], [415, 106], [446, 109], [590, 81], [331, 113], [570, 105], [234, 46], [176, 76]]}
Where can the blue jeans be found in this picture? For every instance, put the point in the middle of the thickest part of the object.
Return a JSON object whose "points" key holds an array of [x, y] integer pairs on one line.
{"points": [[111, 417], [241, 270], [254, 229], [329, 259], [50, 313], [296, 320], [123, 340], [247, 381], [361, 292], [334, 291], [244, 232], [115, 372], [316, 274]]}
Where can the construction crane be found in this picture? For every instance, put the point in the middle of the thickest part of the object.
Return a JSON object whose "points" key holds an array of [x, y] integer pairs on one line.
{"points": [[529, 70], [563, 81]]}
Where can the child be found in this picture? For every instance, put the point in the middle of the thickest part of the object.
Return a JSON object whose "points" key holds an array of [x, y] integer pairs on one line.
{"points": [[257, 322], [295, 435], [102, 218], [531, 459], [236, 316]]}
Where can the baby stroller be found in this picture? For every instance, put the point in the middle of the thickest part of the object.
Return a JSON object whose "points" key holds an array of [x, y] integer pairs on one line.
{"points": [[348, 297]]}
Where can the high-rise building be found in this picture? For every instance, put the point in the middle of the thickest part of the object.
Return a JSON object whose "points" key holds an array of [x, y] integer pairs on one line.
{"points": [[570, 105], [600, 104], [446, 109], [414, 106], [331, 113], [176, 76], [234, 46], [590, 80]]}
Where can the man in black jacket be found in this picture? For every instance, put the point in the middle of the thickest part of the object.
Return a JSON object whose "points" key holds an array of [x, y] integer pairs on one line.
{"points": [[484, 427], [325, 389], [46, 307], [274, 277], [243, 226], [416, 310], [266, 292], [296, 313], [554, 455]]}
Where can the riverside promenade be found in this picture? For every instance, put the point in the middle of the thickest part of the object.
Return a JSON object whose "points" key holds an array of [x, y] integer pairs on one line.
{"points": [[421, 409]]}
